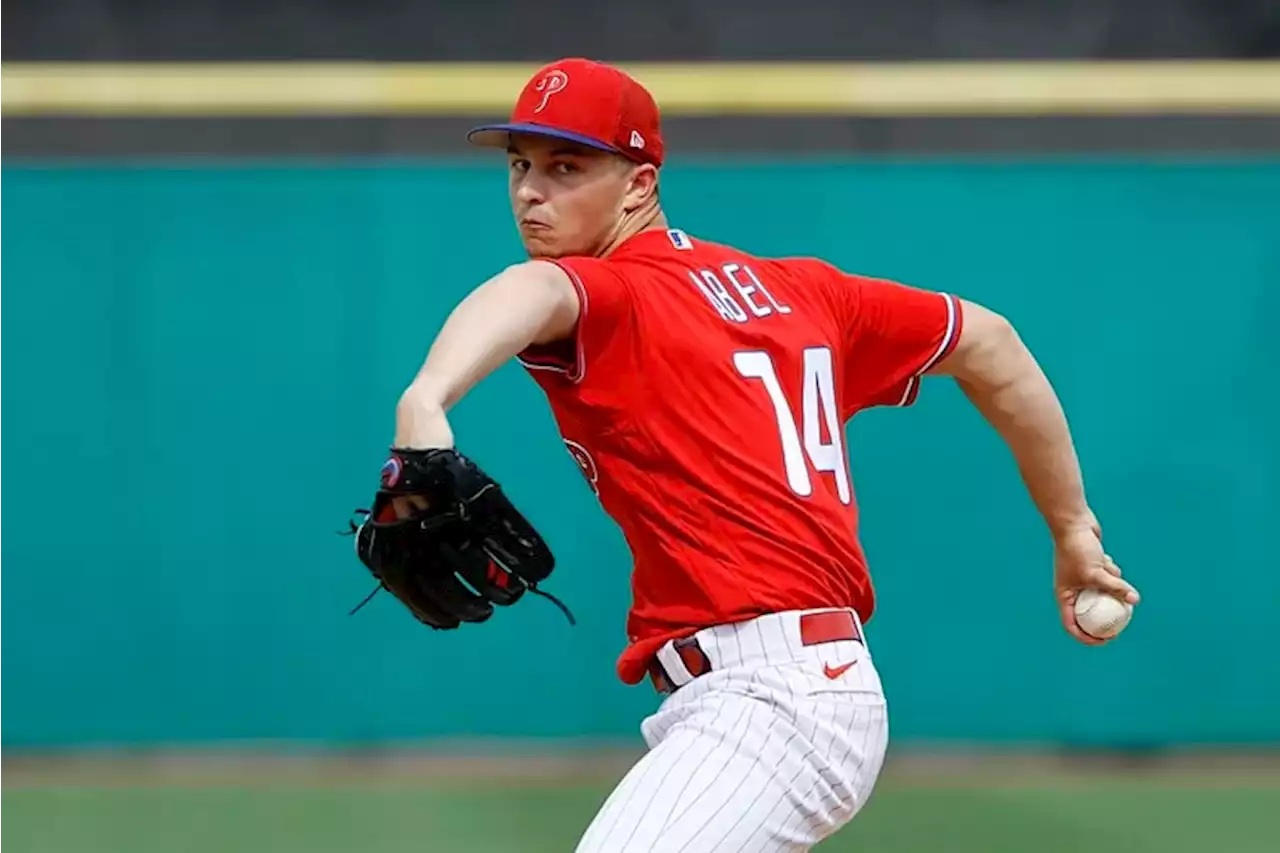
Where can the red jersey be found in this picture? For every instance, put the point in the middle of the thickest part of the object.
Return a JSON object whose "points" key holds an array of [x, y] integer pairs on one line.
{"points": [[704, 397]]}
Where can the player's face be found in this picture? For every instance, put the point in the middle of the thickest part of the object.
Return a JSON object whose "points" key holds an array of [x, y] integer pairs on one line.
{"points": [[568, 199]]}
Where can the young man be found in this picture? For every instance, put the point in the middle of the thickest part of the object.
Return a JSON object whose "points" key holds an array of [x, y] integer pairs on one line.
{"points": [[704, 392]]}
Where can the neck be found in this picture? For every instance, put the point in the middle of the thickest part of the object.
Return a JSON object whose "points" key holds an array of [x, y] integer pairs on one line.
{"points": [[647, 219]]}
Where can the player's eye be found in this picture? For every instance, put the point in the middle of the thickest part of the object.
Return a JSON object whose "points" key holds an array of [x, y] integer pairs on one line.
{"points": [[564, 167], [519, 165]]}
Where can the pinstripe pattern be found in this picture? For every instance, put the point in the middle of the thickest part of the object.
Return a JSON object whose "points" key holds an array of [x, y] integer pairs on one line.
{"points": [[763, 754]]}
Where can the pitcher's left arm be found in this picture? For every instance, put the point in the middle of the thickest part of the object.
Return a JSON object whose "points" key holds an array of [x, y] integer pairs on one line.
{"points": [[529, 303]]}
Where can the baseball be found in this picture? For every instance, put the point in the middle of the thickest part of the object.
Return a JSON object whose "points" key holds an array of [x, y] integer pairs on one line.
{"points": [[1100, 614]]}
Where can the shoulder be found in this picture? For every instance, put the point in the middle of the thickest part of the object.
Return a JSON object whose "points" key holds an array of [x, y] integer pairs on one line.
{"points": [[593, 279], [813, 275], [539, 273], [545, 271], [830, 275], [813, 265], [553, 283], [809, 266]]}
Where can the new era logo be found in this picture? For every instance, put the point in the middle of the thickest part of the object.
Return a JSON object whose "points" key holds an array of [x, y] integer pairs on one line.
{"points": [[637, 141]]}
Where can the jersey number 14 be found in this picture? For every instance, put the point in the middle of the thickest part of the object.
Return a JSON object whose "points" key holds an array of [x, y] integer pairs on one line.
{"points": [[818, 409]]}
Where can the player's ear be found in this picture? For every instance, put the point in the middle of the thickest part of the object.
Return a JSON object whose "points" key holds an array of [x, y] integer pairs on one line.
{"points": [[642, 189]]}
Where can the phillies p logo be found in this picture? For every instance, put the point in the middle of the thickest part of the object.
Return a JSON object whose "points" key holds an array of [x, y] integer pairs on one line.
{"points": [[548, 85]]}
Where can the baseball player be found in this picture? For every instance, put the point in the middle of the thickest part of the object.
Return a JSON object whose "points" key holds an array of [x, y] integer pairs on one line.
{"points": [[703, 391]]}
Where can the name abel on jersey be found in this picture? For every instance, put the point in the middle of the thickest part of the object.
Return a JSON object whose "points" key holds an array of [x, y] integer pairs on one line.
{"points": [[752, 296], [712, 284]]}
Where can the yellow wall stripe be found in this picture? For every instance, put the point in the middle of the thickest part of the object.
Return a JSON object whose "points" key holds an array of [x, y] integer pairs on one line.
{"points": [[488, 89]]}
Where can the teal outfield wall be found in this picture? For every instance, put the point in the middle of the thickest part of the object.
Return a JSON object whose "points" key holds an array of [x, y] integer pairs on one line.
{"points": [[200, 370]]}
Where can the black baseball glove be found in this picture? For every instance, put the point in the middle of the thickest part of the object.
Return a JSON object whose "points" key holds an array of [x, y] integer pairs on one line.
{"points": [[463, 548]]}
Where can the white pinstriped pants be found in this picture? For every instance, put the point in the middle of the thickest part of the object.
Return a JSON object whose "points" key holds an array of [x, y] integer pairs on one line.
{"points": [[764, 753]]}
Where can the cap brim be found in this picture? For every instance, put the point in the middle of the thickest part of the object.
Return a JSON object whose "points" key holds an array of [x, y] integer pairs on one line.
{"points": [[499, 135]]}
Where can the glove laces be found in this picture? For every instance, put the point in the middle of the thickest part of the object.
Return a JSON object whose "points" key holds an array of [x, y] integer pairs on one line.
{"points": [[533, 588]]}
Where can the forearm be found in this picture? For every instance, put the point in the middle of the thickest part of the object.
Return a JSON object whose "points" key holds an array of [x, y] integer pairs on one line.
{"points": [[1005, 383], [518, 307]]}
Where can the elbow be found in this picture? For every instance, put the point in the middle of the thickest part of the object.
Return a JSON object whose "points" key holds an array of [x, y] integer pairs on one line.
{"points": [[1001, 336], [423, 396]]}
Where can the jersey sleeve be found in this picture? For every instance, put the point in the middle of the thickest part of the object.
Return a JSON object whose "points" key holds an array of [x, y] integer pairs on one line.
{"points": [[893, 334], [604, 305]]}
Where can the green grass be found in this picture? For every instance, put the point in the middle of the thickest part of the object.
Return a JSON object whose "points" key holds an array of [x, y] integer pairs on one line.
{"points": [[1124, 817]]}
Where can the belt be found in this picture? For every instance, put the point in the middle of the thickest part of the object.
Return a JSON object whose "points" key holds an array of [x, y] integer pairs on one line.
{"points": [[827, 626]]}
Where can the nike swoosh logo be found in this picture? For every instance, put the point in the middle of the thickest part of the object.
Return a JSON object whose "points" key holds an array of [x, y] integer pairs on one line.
{"points": [[834, 672]]}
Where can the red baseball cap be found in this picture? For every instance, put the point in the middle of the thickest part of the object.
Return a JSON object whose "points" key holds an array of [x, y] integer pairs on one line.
{"points": [[585, 102]]}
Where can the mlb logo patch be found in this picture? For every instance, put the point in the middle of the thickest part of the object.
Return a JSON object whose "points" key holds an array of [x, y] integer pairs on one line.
{"points": [[680, 240]]}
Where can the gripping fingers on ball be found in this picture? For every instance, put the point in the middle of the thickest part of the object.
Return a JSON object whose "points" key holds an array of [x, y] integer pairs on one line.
{"points": [[1114, 584], [1069, 623], [1110, 565]]}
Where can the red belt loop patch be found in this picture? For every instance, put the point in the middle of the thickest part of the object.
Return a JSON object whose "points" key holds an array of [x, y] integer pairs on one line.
{"points": [[828, 627]]}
